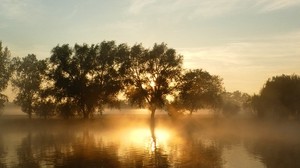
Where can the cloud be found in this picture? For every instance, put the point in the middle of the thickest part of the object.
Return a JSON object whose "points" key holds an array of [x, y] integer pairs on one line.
{"points": [[246, 65], [193, 9], [18, 9], [137, 6], [272, 5], [274, 52], [13, 8]]}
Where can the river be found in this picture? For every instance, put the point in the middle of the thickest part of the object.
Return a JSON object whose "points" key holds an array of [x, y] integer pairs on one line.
{"points": [[127, 141]]}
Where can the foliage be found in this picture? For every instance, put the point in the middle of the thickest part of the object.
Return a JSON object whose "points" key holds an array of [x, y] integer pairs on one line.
{"points": [[198, 89], [279, 98], [5, 73], [85, 78], [234, 102], [27, 80], [151, 75]]}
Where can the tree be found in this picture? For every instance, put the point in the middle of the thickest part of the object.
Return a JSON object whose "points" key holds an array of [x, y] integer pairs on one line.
{"points": [[198, 89], [279, 97], [151, 75], [234, 102], [5, 73], [85, 78], [27, 80]]}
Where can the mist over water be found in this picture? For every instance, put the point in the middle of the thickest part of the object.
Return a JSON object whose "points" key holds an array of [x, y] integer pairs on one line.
{"points": [[126, 141]]}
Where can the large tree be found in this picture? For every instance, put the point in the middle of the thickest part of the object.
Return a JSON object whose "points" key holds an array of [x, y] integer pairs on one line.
{"points": [[198, 89], [151, 75], [85, 78], [279, 97], [27, 80], [5, 72]]}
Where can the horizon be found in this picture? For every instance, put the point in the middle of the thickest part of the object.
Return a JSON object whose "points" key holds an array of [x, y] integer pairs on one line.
{"points": [[244, 42]]}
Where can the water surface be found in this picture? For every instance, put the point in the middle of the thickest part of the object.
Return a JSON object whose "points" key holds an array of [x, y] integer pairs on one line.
{"points": [[127, 141]]}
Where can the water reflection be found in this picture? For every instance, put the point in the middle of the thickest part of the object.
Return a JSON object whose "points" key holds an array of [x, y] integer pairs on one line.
{"points": [[86, 151], [26, 154], [274, 152], [2, 153], [144, 146]]}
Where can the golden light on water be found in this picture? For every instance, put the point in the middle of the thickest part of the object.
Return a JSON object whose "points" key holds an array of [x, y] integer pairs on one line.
{"points": [[140, 135]]}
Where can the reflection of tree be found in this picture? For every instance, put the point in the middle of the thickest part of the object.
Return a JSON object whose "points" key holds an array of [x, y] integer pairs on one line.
{"points": [[197, 154], [195, 150], [70, 149], [151, 155], [2, 154], [26, 155], [157, 157], [87, 152], [65, 150], [276, 154]]}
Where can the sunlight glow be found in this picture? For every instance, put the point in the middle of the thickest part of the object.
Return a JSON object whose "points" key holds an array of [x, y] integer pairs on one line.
{"points": [[143, 135], [152, 84]]}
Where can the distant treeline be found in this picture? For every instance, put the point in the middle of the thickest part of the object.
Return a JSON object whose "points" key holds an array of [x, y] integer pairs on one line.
{"points": [[84, 79]]}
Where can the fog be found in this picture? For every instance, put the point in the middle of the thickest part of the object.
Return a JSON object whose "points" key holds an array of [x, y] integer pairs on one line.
{"points": [[126, 141]]}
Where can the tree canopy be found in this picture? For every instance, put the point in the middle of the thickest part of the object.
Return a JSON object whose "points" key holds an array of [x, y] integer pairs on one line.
{"points": [[234, 102], [198, 89], [27, 79], [279, 98], [151, 75], [5, 72], [85, 78]]}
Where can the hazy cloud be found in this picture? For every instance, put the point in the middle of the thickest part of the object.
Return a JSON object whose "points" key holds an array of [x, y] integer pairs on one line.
{"points": [[247, 64], [193, 9], [12, 8], [19, 9], [136, 6], [271, 5]]}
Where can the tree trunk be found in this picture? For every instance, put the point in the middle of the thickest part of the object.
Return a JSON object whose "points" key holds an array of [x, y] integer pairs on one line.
{"points": [[30, 114], [191, 112], [152, 124]]}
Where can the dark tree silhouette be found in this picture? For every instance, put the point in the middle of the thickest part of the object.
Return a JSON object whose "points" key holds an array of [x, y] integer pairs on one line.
{"points": [[5, 72], [85, 78], [198, 89], [151, 75], [279, 98], [27, 80]]}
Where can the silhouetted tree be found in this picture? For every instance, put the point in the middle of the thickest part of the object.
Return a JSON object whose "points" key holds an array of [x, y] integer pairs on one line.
{"points": [[279, 98], [28, 80], [151, 75], [85, 78], [198, 89], [234, 102], [5, 72]]}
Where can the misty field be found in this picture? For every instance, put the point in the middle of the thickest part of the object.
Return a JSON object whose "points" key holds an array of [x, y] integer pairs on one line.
{"points": [[126, 141]]}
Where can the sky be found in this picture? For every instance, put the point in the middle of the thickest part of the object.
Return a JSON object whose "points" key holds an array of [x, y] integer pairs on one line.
{"points": [[245, 42]]}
